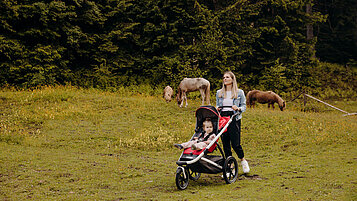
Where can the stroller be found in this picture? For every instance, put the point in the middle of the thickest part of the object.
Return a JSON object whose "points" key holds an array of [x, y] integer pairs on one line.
{"points": [[194, 162]]}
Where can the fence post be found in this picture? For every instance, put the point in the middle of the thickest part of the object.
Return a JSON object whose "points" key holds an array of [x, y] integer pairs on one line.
{"points": [[297, 96]]}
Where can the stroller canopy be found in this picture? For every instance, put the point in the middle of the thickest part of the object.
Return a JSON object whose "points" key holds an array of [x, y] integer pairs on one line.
{"points": [[204, 112]]}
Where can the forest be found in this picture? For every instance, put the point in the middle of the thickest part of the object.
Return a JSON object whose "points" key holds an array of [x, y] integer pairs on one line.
{"points": [[82, 115], [281, 45]]}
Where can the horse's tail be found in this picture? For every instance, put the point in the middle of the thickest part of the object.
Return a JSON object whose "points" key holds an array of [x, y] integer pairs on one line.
{"points": [[207, 93], [248, 98]]}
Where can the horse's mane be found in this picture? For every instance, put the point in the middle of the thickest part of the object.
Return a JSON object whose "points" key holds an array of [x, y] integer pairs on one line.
{"points": [[280, 101]]}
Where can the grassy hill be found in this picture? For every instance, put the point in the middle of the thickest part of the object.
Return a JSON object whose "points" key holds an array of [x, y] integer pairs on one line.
{"points": [[66, 143]]}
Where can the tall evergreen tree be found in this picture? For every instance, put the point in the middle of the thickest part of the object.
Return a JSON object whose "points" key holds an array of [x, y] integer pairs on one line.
{"points": [[337, 38]]}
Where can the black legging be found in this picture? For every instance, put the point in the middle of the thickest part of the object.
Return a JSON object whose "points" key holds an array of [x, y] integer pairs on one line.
{"points": [[232, 136]]}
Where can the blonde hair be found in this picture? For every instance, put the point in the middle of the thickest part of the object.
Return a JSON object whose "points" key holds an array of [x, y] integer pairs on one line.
{"points": [[222, 93]]}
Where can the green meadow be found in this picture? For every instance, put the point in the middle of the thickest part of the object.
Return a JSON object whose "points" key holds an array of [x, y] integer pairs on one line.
{"points": [[65, 143]]}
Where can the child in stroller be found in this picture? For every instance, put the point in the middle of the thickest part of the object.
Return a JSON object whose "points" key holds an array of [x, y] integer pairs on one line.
{"points": [[204, 138], [194, 162]]}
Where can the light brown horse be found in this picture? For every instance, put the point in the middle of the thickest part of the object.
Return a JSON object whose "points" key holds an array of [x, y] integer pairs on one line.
{"points": [[190, 85], [265, 97], [168, 92]]}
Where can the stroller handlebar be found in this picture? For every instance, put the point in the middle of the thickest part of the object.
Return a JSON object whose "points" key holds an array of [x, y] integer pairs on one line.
{"points": [[221, 107], [224, 106]]}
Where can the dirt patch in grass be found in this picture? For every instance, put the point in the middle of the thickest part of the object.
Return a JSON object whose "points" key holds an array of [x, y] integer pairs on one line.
{"points": [[251, 177]]}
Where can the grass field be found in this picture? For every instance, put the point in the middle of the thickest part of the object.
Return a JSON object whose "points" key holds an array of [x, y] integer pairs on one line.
{"points": [[65, 143]]}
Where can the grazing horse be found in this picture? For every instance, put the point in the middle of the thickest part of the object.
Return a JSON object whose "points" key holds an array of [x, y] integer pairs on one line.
{"points": [[193, 84], [168, 93], [265, 97]]}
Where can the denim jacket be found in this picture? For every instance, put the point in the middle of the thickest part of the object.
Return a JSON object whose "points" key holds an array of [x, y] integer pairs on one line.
{"points": [[239, 101]]}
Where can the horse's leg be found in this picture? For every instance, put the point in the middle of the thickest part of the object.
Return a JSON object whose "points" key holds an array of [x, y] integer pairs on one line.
{"points": [[182, 98], [207, 95], [202, 96], [186, 100]]}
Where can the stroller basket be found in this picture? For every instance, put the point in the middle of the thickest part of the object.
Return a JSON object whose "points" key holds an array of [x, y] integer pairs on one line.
{"points": [[202, 166]]}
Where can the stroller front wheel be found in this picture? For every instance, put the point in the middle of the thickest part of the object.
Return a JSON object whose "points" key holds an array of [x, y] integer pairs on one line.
{"points": [[182, 178], [230, 170]]}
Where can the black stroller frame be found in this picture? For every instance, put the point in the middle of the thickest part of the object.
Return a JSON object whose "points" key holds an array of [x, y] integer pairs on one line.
{"points": [[194, 162]]}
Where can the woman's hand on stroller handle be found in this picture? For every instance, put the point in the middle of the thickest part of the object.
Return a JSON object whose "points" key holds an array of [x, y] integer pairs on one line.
{"points": [[236, 108]]}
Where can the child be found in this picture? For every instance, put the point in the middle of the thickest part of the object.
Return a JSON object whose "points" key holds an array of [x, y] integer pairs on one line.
{"points": [[200, 142]]}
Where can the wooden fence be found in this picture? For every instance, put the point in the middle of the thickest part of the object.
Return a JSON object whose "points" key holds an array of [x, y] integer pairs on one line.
{"points": [[307, 95]]}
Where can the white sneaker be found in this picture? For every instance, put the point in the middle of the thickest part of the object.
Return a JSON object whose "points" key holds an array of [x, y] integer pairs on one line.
{"points": [[245, 166]]}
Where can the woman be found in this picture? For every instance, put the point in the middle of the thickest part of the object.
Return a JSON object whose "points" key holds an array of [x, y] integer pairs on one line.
{"points": [[233, 97]]}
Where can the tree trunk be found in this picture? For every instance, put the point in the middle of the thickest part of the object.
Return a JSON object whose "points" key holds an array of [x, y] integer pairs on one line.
{"points": [[309, 28]]}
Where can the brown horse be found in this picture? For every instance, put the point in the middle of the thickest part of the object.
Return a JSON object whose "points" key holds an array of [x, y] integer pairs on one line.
{"points": [[168, 93], [190, 85], [265, 97]]}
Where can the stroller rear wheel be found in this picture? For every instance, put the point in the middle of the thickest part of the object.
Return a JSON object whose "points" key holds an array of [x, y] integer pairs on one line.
{"points": [[230, 170], [182, 178], [194, 175]]}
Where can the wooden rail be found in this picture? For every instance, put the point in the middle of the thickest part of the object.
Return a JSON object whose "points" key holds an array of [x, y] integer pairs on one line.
{"points": [[307, 95]]}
